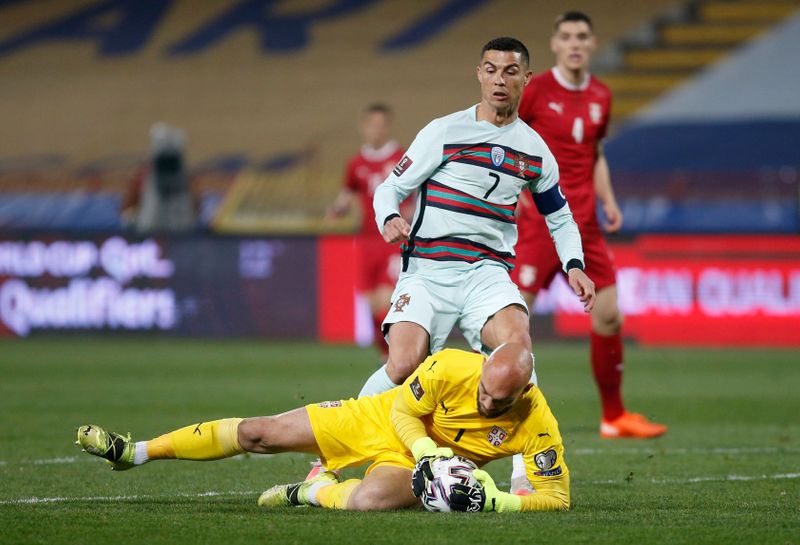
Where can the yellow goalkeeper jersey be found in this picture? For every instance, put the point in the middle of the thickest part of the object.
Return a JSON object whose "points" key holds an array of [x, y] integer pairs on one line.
{"points": [[443, 393]]}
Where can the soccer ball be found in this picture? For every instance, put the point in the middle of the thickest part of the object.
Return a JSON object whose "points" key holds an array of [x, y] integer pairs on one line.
{"points": [[446, 473]]}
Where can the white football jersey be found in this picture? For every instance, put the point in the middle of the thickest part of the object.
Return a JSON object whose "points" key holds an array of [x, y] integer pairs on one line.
{"points": [[470, 174]]}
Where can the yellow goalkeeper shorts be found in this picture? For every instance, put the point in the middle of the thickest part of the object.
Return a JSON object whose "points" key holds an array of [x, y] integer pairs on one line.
{"points": [[356, 431]]}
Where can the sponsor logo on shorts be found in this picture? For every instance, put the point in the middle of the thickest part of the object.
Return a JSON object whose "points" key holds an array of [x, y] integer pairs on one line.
{"points": [[416, 389], [402, 166], [527, 275], [496, 436], [548, 473], [330, 404], [546, 460], [401, 302], [498, 155]]}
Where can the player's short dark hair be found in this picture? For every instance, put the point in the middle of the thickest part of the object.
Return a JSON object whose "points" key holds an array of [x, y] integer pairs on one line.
{"points": [[572, 17], [378, 108], [508, 44]]}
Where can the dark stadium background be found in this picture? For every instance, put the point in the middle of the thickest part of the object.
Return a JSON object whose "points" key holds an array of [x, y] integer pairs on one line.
{"points": [[258, 303], [704, 143]]}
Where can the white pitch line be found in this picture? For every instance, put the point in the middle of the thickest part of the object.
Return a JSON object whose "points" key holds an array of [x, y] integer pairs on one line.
{"points": [[731, 451], [213, 493], [93, 459], [133, 497], [684, 451], [704, 479], [49, 461]]}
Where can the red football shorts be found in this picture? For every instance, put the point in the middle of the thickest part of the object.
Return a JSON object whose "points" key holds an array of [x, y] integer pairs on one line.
{"points": [[537, 262], [379, 263]]}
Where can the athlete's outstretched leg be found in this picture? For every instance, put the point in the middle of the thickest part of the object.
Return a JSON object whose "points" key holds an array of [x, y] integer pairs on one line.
{"points": [[386, 487], [212, 440]]}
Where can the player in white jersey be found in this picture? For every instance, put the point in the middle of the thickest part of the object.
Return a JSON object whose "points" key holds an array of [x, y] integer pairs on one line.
{"points": [[470, 168]]}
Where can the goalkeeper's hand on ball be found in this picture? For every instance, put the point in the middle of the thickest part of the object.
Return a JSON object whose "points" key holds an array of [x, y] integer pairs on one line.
{"points": [[424, 447], [487, 497], [425, 451]]}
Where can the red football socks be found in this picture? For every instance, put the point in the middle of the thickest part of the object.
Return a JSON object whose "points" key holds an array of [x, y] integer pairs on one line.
{"points": [[606, 355]]}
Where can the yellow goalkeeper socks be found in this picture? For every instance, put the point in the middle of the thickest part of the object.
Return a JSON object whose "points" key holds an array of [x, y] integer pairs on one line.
{"points": [[204, 441], [335, 496]]}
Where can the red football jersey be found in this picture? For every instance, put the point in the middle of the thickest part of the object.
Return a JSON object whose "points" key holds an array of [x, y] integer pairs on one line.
{"points": [[572, 120], [366, 171]]}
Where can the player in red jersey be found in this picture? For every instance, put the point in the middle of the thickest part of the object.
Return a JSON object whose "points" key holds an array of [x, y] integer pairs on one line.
{"points": [[379, 262], [570, 109]]}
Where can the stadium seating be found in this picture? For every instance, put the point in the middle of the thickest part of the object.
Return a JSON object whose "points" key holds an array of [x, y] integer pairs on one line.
{"points": [[715, 154], [673, 47], [269, 97], [84, 80]]}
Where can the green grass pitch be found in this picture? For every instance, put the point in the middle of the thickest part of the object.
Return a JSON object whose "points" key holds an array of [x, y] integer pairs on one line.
{"points": [[728, 471]]}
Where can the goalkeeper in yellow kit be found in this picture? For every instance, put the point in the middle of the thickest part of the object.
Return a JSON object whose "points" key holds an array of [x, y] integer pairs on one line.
{"points": [[456, 402]]}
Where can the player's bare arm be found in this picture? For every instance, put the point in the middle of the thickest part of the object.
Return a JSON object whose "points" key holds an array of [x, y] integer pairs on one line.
{"points": [[341, 205], [605, 192]]}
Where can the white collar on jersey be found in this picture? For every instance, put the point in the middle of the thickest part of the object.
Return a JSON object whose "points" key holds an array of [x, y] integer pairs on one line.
{"points": [[570, 86], [383, 152]]}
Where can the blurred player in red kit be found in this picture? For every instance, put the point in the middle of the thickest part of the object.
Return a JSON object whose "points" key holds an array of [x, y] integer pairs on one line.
{"points": [[379, 261], [570, 109]]}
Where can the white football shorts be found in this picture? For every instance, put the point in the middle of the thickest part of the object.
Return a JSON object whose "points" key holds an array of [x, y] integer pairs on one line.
{"points": [[438, 299]]}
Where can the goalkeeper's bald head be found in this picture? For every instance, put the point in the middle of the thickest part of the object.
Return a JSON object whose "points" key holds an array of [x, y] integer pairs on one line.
{"points": [[509, 363], [504, 377]]}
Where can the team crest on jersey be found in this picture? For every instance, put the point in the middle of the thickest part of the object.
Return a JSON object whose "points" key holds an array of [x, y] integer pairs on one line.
{"points": [[546, 460], [401, 302], [330, 404], [595, 112], [523, 166], [523, 162], [403, 165], [496, 436], [498, 155], [416, 389]]}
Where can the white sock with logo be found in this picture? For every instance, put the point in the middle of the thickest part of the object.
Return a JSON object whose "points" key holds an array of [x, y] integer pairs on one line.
{"points": [[377, 383], [518, 464]]}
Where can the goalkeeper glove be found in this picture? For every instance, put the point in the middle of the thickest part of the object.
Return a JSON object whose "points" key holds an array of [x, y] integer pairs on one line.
{"points": [[484, 498], [424, 447], [420, 476], [425, 451]]}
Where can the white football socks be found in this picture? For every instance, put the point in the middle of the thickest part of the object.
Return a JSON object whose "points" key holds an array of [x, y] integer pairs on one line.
{"points": [[140, 453], [311, 492], [518, 464], [377, 383]]}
